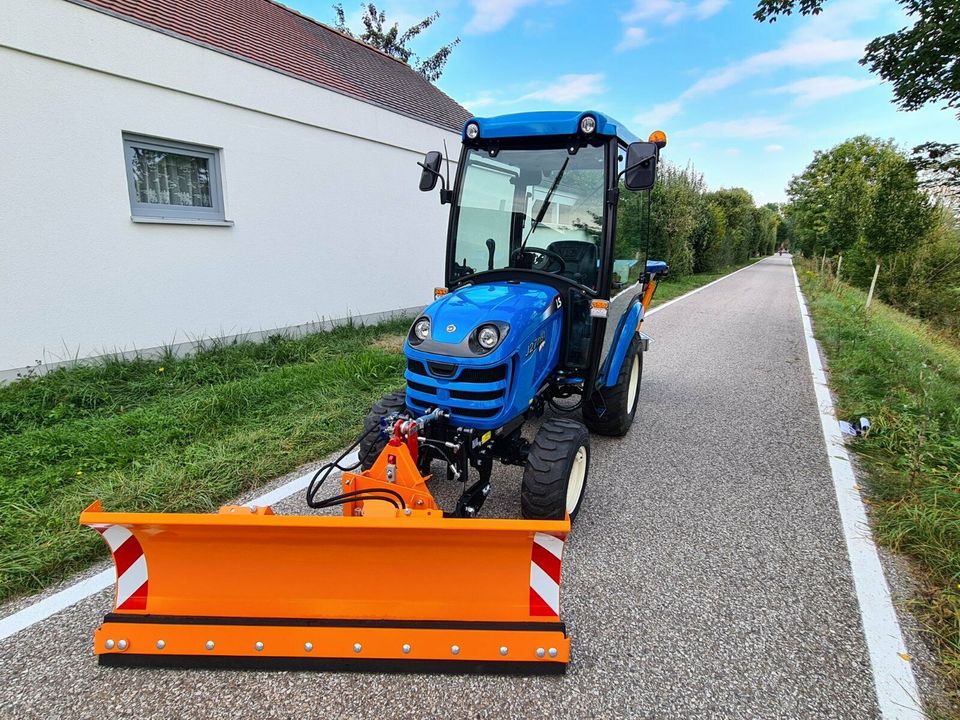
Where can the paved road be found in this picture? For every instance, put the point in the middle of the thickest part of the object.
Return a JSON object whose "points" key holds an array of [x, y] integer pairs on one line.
{"points": [[706, 577]]}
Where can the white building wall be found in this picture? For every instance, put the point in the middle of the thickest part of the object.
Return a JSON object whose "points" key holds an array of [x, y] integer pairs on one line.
{"points": [[321, 188]]}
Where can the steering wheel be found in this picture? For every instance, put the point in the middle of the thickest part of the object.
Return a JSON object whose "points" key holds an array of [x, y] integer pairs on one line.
{"points": [[541, 259]]}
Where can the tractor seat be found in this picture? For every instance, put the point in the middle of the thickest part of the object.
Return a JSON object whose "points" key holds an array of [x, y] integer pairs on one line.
{"points": [[580, 258]]}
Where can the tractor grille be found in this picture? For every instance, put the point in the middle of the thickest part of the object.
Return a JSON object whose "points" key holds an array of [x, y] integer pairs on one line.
{"points": [[468, 393]]}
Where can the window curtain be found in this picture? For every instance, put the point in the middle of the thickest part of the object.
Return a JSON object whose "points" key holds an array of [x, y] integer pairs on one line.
{"points": [[165, 178]]}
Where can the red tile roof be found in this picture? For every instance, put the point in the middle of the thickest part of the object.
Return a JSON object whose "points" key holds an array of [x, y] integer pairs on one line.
{"points": [[271, 35]]}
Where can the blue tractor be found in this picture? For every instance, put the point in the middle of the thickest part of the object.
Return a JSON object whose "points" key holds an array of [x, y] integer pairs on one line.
{"points": [[546, 286]]}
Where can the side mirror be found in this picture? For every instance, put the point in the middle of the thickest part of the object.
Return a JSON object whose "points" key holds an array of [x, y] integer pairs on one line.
{"points": [[641, 172], [431, 170]]}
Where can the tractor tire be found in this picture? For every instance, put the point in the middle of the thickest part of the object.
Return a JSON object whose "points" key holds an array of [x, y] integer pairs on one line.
{"points": [[371, 445], [611, 409], [555, 474]]}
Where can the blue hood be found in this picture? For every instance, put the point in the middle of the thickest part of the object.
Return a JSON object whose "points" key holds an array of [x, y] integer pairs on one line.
{"points": [[521, 305]]}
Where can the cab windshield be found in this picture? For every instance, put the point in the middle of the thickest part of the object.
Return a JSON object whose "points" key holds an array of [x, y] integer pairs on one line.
{"points": [[539, 209]]}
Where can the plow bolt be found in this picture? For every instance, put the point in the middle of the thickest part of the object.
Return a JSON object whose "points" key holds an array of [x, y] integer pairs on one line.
{"points": [[308, 647], [504, 650], [109, 644], [541, 652], [357, 647], [161, 644], [209, 645], [455, 649], [259, 646], [406, 649], [552, 652]]}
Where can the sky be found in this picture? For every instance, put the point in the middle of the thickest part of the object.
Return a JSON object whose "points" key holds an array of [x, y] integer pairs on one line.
{"points": [[746, 103]]}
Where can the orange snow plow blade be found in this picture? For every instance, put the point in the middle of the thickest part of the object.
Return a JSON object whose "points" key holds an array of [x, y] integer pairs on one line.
{"points": [[408, 590]]}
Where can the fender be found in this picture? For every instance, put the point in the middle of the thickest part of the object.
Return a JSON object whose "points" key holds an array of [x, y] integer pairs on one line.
{"points": [[626, 330]]}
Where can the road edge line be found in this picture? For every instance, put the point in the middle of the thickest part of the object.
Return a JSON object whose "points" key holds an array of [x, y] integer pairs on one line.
{"points": [[670, 302], [60, 601], [893, 678]]}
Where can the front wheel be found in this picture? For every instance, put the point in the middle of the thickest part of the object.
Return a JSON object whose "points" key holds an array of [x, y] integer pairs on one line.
{"points": [[555, 475], [372, 444], [611, 409]]}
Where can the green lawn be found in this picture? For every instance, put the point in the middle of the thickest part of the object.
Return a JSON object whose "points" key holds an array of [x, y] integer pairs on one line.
{"points": [[906, 379], [182, 434], [175, 434]]}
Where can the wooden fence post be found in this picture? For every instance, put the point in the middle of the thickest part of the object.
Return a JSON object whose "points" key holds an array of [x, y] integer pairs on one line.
{"points": [[873, 284]]}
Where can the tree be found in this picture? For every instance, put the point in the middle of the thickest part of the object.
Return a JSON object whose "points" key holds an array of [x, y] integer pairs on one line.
{"points": [[938, 165], [831, 197], [391, 41], [861, 198], [920, 61]]}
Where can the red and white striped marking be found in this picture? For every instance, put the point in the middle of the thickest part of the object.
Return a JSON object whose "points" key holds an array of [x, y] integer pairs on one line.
{"points": [[545, 575], [131, 566]]}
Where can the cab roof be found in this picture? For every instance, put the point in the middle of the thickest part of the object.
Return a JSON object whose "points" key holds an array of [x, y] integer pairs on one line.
{"points": [[547, 122]]}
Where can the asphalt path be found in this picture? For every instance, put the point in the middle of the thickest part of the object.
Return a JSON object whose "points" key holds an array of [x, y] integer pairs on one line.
{"points": [[706, 576]]}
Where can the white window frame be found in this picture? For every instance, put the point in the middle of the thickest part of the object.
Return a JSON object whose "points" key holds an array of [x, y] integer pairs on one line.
{"points": [[179, 214]]}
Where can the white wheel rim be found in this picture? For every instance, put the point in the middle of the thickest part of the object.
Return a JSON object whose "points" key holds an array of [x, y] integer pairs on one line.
{"points": [[634, 381], [578, 473]]}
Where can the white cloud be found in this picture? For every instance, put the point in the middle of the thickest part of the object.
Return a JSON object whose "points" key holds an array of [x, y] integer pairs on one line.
{"points": [[709, 8], [732, 152], [490, 15], [822, 40], [633, 37], [823, 87], [774, 148], [670, 12], [746, 128], [793, 53], [666, 11], [658, 114], [568, 89], [484, 99]]}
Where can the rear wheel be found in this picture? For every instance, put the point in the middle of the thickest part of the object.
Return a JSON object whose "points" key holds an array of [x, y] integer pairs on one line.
{"points": [[611, 409], [372, 444], [555, 475]]}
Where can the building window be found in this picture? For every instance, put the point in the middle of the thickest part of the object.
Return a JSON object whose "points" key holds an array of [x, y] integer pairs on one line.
{"points": [[173, 181]]}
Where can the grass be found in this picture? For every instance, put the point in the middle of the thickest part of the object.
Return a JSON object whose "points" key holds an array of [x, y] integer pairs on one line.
{"points": [[672, 287], [181, 434], [906, 379], [173, 434]]}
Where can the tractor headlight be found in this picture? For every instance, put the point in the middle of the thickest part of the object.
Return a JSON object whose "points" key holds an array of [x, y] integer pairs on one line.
{"points": [[588, 123], [473, 131], [420, 330], [488, 336]]}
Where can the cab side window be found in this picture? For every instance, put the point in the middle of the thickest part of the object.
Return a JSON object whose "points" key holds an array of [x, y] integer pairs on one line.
{"points": [[628, 245]]}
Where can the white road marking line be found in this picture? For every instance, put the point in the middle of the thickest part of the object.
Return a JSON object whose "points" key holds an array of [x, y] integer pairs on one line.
{"points": [[33, 614], [668, 303], [893, 678], [58, 602], [69, 596]]}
